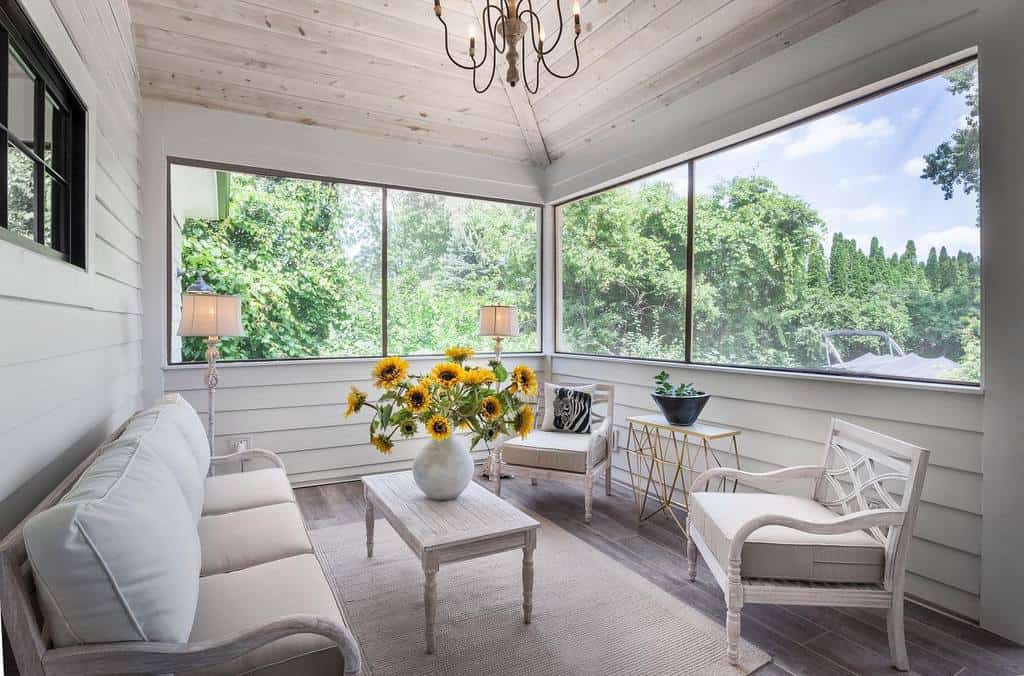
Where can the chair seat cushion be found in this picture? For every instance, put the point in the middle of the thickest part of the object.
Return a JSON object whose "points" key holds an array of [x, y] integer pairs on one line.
{"points": [[785, 553], [245, 490], [249, 537], [235, 602], [553, 450]]}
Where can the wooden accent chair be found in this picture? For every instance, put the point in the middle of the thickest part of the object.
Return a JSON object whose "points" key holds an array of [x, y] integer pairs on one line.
{"points": [[562, 455], [845, 546]]}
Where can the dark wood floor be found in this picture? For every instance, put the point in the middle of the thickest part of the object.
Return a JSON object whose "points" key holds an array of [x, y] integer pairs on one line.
{"points": [[800, 640]]}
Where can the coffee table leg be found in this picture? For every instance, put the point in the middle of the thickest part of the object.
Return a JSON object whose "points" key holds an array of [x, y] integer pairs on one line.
{"points": [[369, 527], [429, 601], [531, 544]]}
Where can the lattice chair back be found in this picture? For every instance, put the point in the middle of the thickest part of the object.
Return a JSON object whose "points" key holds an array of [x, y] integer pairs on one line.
{"points": [[602, 403], [868, 470]]}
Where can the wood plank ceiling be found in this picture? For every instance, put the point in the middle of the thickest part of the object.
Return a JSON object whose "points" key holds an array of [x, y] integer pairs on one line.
{"points": [[379, 67]]}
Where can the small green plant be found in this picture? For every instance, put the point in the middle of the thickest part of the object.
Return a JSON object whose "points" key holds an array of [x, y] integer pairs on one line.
{"points": [[666, 389]]}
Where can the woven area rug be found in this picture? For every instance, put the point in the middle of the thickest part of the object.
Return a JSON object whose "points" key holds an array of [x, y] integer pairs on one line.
{"points": [[591, 614]]}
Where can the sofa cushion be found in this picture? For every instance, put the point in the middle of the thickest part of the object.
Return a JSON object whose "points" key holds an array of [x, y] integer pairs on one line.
{"points": [[556, 450], [118, 558], [162, 435], [249, 537], [780, 552], [246, 599], [245, 490], [192, 428]]}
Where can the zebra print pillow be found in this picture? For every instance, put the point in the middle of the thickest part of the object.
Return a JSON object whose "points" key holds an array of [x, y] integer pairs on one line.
{"points": [[567, 409]]}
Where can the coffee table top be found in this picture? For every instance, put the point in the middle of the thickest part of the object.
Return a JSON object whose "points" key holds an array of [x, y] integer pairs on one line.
{"points": [[697, 429], [427, 524]]}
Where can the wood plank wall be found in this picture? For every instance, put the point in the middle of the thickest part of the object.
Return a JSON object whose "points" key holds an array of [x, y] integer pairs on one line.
{"points": [[71, 353], [784, 421], [297, 409]]}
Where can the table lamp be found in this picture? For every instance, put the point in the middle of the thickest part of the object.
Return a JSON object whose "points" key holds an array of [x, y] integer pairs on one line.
{"points": [[499, 322], [212, 316]]}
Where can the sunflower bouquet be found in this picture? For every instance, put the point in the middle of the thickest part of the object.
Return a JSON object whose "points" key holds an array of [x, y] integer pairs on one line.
{"points": [[488, 402]]}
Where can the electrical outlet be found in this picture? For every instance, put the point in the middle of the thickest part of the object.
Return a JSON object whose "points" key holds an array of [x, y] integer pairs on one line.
{"points": [[237, 444]]}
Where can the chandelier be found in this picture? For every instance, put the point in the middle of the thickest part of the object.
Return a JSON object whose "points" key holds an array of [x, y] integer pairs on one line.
{"points": [[506, 26]]}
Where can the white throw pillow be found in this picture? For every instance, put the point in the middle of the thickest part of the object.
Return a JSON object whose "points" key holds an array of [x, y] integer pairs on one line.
{"points": [[118, 558], [567, 408], [192, 426]]}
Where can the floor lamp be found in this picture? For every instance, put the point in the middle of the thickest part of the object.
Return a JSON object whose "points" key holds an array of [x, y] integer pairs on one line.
{"points": [[498, 322], [211, 316]]}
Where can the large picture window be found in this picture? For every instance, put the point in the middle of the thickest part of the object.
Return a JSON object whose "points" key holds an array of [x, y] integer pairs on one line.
{"points": [[42, 123], [846, 244], [307, 255]]}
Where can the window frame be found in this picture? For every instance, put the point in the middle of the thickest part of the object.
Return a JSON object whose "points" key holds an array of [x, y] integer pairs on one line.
{"points": [[67, 167], [692, 162], [384, 187]]}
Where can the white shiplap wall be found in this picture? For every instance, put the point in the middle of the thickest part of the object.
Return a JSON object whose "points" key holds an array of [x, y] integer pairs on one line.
{"points": [[784, 421], [297, 409], [71, 353]]}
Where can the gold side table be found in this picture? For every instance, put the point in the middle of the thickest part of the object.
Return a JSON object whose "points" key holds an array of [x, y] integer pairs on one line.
{"points": [[664, 454]]}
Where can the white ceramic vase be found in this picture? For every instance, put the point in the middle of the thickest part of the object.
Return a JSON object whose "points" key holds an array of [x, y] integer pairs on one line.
{"points": [[443, 469]]}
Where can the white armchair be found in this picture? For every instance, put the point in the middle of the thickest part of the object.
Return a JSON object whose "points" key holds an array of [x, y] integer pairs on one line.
{"points": [[566, 456], [844, 546]]}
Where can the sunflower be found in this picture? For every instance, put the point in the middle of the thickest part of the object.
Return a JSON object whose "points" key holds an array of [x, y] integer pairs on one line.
{"points": [[479, 377], [490, 408], [489, 434], [459, 354], [524, 421], [390, 371], [356, 399], [382, 443], [439, 427], [417, 398], [524, 380], [408, 428], [448, 373]]}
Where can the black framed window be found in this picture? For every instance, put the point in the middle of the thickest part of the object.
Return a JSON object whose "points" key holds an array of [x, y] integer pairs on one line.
{"points": [[42, 122], [844, 244]]}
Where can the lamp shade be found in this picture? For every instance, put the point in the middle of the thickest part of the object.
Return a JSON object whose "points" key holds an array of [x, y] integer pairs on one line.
{"points": [[210, 314], [499, 320]]}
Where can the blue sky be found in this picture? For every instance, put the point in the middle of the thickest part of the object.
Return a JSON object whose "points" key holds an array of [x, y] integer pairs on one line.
{"points": [[860, 167]]}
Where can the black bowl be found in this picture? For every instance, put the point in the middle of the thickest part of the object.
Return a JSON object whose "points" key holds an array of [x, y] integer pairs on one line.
{"points": [[681, 410]]}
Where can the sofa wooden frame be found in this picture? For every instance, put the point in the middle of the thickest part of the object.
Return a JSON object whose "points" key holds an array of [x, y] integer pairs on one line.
{"points": [[603, 394], [30, 638], [848, 482]]}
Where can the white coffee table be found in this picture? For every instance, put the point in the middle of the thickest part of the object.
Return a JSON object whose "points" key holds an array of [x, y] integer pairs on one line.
{"points": [[477, 523]]}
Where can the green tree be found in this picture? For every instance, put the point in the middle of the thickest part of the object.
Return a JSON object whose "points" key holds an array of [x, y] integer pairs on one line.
{"points": [[956, 162]]}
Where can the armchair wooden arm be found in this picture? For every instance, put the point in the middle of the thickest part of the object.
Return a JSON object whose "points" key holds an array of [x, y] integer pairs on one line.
{"points": [[148, 658], [248, 454], [848, 523], [797, 472]]}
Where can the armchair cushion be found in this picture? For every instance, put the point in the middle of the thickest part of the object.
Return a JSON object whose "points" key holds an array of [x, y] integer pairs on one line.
{"points": [[248, 598], [785, 553], [556, 450], [246, 490]]}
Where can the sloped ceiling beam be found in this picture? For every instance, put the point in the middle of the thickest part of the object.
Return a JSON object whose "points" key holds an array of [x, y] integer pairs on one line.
{"points": [[522, 109]]}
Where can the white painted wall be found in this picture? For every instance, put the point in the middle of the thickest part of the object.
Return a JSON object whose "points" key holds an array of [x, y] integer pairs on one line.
{"points": [[71, 355], [969, 541]]}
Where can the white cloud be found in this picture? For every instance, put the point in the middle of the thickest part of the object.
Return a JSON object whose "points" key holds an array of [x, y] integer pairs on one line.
{"points": [[962, 238], [828, 132], [914, 114], [914, 166], [847, 183], [871, 213]]}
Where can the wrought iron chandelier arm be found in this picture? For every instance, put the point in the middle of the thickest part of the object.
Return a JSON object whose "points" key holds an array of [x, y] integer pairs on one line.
{"points": [[534, 17], [536, 77], [448, 50], [576, 49], [494, 61]]}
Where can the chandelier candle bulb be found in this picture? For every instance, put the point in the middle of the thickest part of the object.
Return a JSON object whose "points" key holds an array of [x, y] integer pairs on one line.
{"points": [[576, 16], [437, 8]]}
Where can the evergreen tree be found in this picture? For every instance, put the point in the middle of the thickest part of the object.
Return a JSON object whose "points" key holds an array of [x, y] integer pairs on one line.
{"points": [[817, 268], [947, 270], [931, 268], [839, 264]]}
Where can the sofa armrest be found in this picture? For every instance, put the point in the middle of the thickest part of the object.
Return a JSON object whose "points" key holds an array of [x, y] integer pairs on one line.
{"points": [[797, 472], [250, 454], [848, 523], [148, 657]]}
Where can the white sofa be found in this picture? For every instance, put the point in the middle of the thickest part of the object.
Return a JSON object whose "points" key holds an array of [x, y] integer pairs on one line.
{"points": [[144, 561]]}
